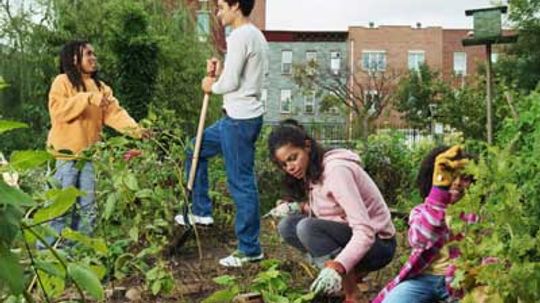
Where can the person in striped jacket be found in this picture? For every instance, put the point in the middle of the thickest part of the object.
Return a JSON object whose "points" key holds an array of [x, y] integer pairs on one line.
{"points": [[427, 274]]}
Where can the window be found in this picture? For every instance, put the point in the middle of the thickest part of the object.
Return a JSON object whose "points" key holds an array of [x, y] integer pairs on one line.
{"points": [[374, 60], [309, 103], [311, 55], [264, 98], [286, 61], [416, 58], [335, 62], [203, 25], [285, 101], [460, 63]]}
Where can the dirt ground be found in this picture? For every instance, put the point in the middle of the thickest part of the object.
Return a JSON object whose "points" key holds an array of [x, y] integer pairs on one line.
{"points": [[194, 273]]}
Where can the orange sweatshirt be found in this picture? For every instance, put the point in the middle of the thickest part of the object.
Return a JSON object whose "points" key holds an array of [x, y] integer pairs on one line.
{"points": [[77, 118]]}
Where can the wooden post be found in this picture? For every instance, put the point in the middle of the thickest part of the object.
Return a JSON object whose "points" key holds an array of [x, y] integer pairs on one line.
{"points": [[489, 111]]}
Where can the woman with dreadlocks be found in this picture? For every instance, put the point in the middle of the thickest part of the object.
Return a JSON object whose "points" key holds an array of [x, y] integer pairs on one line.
{"points": [[79, 105]]}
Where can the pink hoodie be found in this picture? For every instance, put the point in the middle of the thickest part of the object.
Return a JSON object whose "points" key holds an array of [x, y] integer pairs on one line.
{"points": [[346, 193]]}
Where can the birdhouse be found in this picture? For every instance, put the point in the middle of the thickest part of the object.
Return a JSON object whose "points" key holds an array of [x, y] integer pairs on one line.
{"points": [[487, 21]]}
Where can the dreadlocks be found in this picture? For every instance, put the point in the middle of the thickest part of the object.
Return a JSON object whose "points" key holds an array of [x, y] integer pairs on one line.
{"points": [[72, 68]]}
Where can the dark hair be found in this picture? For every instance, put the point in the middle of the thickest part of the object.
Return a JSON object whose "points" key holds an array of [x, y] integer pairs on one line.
{"points": [[71, 50], [246, 6], [289, 131], [424, 180]]}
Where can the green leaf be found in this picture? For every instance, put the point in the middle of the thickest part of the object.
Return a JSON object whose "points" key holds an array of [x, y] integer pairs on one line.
{"points": [[220, 296], [274, 298], [9, 125], [156, 287], [99, 270], [98, 245], [134, 233], [29, 159], [11, 273], [86, 279], [110, 205], [13, 196], [50, 268], [63, 199], [225, 280], [131, 182], [54, 286], [119, 141], [122, 261], [145, 194], [10, 218]]}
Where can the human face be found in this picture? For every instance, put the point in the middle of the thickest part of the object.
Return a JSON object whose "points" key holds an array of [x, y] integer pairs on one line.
{"points": [[89, 60], [458, 187], [293, 160], [226, 13]]}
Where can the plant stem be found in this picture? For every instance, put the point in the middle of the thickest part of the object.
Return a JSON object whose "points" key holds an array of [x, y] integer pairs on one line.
{"points": [[57, 256]]}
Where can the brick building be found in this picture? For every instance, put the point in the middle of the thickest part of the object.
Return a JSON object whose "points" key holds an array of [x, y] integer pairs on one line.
{"points": [[385, 48], [401, 48]]}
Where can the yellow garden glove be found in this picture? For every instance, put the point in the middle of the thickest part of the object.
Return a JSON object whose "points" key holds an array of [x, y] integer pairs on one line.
{"points": [[448, 165]]}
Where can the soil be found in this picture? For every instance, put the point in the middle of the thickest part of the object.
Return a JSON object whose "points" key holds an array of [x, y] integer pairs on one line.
{"points": [[194, 273]]}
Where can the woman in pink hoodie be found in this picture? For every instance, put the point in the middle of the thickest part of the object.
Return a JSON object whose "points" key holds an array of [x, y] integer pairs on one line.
{"points": [[344, 226]]}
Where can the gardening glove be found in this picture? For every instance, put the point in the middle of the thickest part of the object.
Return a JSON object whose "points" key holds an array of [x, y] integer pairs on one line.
{"points": [[447, 166], [284, 209], [329, 279]]}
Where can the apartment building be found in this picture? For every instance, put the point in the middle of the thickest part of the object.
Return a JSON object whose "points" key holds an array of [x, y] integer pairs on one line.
{"points": [[357, 50], [282, 97]]}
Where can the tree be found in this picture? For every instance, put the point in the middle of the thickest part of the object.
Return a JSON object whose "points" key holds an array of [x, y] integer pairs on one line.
{"points": [[168, 64], [136, 55], [366, 93], [520, 67], [418, 93]]}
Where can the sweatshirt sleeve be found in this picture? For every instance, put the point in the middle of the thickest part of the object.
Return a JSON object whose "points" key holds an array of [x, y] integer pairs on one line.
{"points": [[350, 199], [118, 118], [235, 60], [64, 108], [426, 222]]}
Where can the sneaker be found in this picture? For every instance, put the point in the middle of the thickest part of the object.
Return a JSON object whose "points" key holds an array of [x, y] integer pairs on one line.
{"points": [[237, 259], [206, 221]]}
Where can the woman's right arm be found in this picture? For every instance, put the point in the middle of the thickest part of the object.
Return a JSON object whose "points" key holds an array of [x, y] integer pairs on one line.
{"points": [[65, 108], [426, 222]]}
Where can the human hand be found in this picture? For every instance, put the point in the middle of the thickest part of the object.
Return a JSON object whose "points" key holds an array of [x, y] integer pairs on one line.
{"points": [[284, 209], [448, 165], [146, 134], [328, 282], [206, 84], [213, 67]]}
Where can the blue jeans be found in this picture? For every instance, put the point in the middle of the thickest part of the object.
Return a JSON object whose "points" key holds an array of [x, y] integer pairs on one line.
{"points": [[83, 214], [235, 140], [325, 239], [423, 288]]}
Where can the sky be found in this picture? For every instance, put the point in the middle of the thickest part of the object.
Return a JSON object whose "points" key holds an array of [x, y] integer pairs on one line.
{"points": [[339, 14]]}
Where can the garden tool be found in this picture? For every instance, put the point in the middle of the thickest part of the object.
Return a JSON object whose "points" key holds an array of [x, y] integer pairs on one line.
{"points": [[179, 239]]}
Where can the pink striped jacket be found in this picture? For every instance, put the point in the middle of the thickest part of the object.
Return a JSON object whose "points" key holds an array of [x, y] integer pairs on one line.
{"points": [[427, 234]]}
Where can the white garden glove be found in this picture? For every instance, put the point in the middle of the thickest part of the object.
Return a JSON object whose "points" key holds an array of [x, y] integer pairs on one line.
{"points": [[284, 209], [328, 282]]}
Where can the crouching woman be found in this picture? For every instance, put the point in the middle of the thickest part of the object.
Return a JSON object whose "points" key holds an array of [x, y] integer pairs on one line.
{"points": [[344, 225]]}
